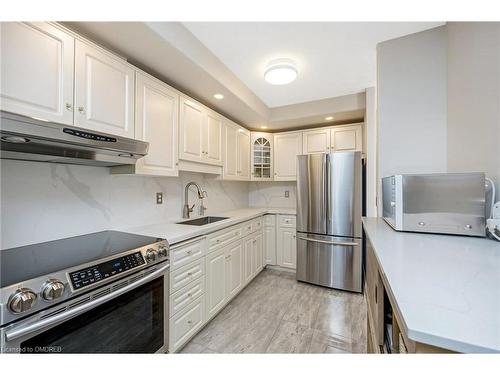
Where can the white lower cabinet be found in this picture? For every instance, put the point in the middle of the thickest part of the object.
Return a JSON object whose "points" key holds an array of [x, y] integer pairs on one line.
{"points": [[186, 323], [234, 269], [216, 281], [286, 249], [208, 272], [258, 255], [270, 240], [248, 259]]}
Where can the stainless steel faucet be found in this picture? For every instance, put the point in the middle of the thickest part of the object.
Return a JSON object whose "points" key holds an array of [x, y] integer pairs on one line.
{"points": [[201, 194]]}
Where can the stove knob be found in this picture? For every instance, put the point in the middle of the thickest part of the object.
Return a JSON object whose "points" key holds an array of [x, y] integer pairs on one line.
{"points": [[151, 255], [52, 290], [22, 300], [162, 251]]}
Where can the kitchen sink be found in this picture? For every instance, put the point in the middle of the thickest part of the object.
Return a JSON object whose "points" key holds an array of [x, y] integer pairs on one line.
{"points": [[203, 220]]}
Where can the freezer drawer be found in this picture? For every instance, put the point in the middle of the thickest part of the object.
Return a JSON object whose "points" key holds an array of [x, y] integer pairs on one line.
{"points": [[334, 262]]}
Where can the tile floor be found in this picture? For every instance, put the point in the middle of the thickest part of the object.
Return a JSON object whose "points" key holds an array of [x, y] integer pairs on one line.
{"points": [[277, 314]]}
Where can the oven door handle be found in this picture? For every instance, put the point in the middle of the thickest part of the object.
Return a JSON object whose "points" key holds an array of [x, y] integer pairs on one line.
{"points": [[340, 243], [23, 331]]}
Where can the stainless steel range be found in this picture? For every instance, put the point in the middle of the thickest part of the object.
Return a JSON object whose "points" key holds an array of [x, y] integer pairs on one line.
{"points": [[105, 292]]}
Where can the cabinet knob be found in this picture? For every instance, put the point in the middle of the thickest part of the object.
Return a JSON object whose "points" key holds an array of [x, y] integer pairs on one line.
{"points": [[69, 107], [81, 110], [190, 322]]}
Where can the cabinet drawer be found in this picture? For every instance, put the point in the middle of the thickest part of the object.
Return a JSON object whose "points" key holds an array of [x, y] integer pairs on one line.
{"points": [[183, 297], [287, 221], [186, 323], [257, 224], [186, 252], [246, 228], [223, 237], [184, 275], [270, 220]]}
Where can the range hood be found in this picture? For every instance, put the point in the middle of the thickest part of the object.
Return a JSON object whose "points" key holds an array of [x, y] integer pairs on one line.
{"points": [[26, 138]]}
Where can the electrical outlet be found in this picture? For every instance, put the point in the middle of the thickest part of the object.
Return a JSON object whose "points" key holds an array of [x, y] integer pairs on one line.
{"points": [[287, 194], [159, 198]]}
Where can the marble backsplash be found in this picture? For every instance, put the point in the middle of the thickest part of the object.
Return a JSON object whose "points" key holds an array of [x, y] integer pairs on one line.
{"points": [[44, 201], [272, 194]]}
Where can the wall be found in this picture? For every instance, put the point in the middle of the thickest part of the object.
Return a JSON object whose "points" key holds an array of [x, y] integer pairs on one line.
{"points": [[411, 83], [411, 97], [43, 201], [272, 194], [474, 98], [370, 150]]}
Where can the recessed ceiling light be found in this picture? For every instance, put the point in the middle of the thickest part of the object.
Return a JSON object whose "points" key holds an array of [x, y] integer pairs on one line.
{"points": [[281, 72], [329, 118], [218, 96], [263, 127]]}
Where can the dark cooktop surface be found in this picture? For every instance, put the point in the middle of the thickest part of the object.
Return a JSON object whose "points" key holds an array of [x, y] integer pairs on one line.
{"points": [[27, 262]]}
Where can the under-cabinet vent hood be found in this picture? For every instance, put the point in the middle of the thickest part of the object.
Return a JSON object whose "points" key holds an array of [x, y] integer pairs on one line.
{"points": [[25, 138]]}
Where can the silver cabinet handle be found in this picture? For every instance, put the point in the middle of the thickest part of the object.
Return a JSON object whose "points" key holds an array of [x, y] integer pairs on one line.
{"points": [[23, 331], [69, 107], [81, 109], [189, 252], [329, 242]]}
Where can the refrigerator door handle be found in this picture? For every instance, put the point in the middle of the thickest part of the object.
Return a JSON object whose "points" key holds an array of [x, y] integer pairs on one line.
{"points": [[330, 242]]}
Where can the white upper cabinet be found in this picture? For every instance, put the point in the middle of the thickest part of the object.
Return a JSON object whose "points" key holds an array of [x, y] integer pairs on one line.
{"points": [[236, 152], [316, 141], [286, 148], [243, 154], [37, 71], [104, 91], [156, 114], [262, 156], [191, 128], [347, 138], [200, 133], [230, 151], [212, 139]]}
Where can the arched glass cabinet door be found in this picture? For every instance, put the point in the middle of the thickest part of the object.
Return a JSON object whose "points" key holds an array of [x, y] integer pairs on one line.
{"points": [[262, 158]]}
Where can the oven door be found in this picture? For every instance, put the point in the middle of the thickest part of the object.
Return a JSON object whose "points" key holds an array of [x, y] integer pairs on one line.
{"points": [[127, 316]]}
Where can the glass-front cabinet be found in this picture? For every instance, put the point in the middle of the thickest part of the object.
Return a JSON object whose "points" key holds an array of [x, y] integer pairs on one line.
{"points": [[262, 156]]}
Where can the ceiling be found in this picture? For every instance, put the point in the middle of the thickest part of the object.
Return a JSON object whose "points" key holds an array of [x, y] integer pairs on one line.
{"points": [[333, 58], [336, 64]]}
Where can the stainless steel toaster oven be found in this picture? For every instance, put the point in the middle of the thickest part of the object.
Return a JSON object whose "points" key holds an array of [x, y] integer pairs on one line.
{"points": [[451, 203]]}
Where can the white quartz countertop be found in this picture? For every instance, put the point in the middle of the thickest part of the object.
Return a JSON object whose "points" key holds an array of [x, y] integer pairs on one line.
{"points": [[446, 288], [174, 232]]}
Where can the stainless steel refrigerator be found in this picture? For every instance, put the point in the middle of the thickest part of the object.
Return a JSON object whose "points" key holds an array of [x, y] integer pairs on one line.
{"points": [[329, 209]]}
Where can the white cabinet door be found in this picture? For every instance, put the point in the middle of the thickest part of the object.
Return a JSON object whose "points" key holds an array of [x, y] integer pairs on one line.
{"points": [[157, 109], [270, 245], [191, 127], [216, 295], [212, 139], [243, 154], [230, 151], [37, 66], [234, 256], [248, 249], [257, 253], [316, 141], [287, 253], [261, 160], [347, 138], [286, 148], [104, 92]]}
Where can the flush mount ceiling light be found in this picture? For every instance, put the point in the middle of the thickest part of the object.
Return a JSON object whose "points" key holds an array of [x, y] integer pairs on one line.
{"points": [[281, 72], [263, 127], [329, 118], [218, 96]]}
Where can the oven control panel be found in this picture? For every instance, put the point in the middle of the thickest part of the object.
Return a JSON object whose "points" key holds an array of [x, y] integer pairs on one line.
{"points": [[88, 276]]}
